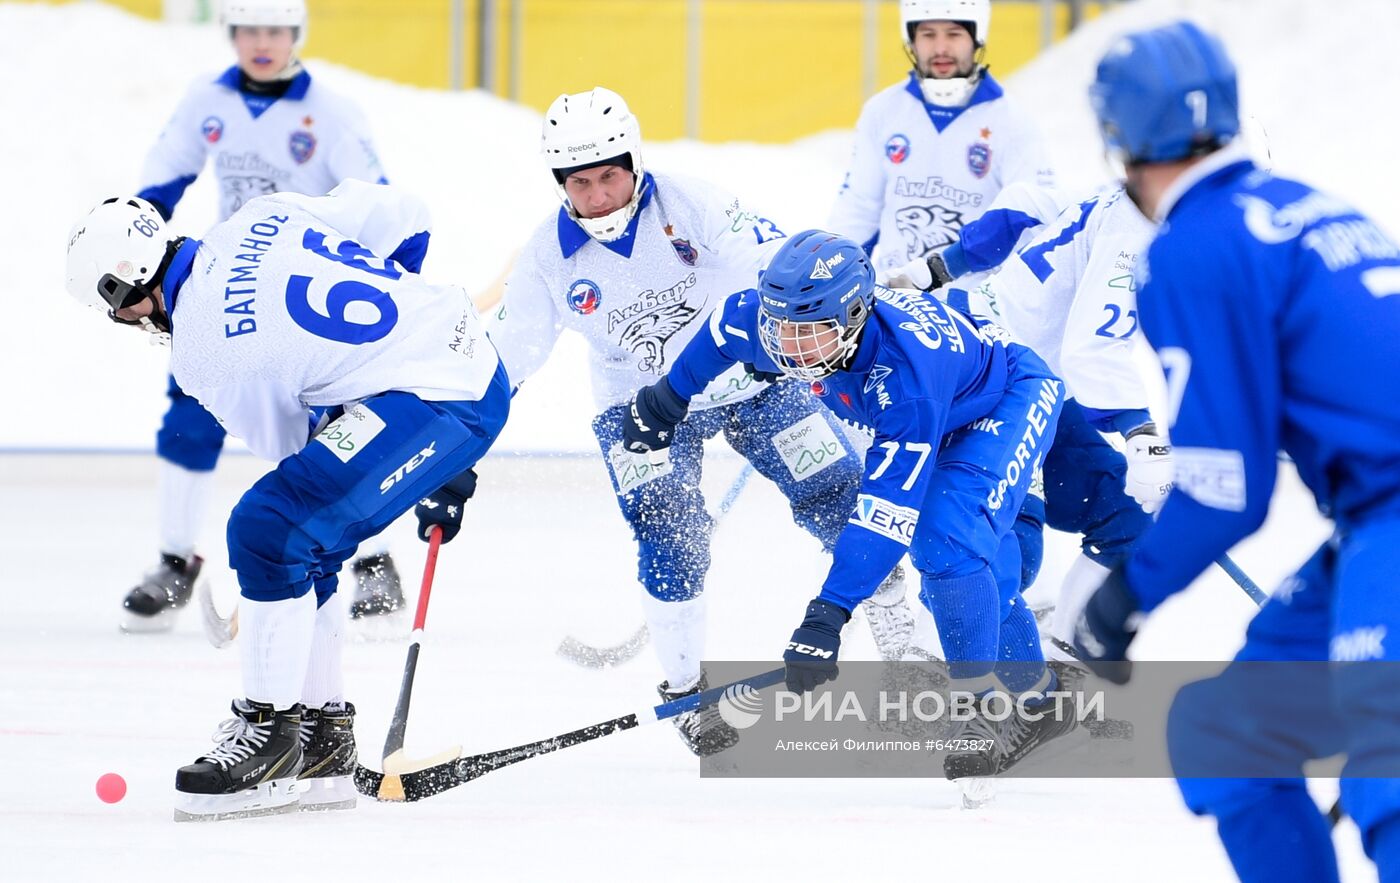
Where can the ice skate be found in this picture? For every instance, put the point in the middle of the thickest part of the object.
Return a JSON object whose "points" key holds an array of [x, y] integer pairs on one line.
{"points": [[252, 771], [703, 730], [890, 617], [151, 606], [327, 778], [378, 590]]}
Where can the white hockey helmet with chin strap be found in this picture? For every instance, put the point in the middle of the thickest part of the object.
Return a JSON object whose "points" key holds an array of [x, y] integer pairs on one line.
{"points": [[267, 13], [976, 15], [587, 130], [116, 253]]}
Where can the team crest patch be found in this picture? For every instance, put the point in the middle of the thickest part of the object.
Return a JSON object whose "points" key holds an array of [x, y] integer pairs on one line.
{"points": [[897, 149], [818, 388], [584, 297], [212, 129], [303, 145], [979, 158], [685, 251]]}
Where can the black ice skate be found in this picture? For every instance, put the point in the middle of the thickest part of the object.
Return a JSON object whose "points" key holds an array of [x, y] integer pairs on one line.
{"points": [[251, 772], [328, 758], [1011, 741], [151, 606], [378, 590], [703, 730]]}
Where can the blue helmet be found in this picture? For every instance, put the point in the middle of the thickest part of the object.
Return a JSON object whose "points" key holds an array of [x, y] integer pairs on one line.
{"points": [[1166, 94], [814, 297]]}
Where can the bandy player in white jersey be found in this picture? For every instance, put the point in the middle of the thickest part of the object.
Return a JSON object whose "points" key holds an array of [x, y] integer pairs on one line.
{"points": [[1061, 283], [932, 153], [636, 262], [265, 127], [302, 325]]}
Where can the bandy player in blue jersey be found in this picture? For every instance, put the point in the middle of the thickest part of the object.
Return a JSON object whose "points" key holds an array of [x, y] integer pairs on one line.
{"points": [[961, 419], [1275, 311]]}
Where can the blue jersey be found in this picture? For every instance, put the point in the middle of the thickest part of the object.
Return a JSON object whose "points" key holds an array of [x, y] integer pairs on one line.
{"points": [[922, 369], [1272, 307]]}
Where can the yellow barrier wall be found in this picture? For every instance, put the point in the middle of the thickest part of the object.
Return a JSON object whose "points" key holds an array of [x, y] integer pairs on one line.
{"points": [[770, 70]]}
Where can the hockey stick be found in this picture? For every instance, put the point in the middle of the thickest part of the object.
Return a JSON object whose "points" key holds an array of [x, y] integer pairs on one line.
{"points": [[588, 656], [218, 630], [1250, 587], [408, 786], [394, 759]]}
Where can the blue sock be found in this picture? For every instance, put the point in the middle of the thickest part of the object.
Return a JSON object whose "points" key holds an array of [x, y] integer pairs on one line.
{"points": [[1022, 663], [1280, 838], [966, 611]]}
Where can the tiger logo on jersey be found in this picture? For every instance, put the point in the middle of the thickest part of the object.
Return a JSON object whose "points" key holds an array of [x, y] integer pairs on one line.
{"points": [[238, 189], [927, 228], [647, 336]]}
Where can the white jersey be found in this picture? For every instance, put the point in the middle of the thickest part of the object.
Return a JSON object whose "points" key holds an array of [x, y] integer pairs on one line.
{"points": [[913, 185], [306, 141], [691, 246], [1069, 295], [299, 302]]}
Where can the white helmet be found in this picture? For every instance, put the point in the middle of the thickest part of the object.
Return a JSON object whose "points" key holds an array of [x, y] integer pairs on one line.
{"points": [[268, 13], [977, 13], [585, 130], [115, 252]]}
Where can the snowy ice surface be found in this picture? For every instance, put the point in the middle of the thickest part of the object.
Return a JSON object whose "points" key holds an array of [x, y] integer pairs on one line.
{"points": [[544, 552]]}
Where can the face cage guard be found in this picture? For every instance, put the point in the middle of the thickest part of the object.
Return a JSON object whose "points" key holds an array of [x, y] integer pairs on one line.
{"points": [[119, 295], [824, 359]]}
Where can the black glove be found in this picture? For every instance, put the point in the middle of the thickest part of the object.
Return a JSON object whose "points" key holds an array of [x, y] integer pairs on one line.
{"points": [[762, 376], [444, 507], [651, 419], [811, 654], [1105, 627]]}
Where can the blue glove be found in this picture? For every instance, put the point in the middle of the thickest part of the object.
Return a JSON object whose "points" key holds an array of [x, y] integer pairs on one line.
{"points": [[762, 376], [444, 507], [651, 421], [811, 654], [1106, 626]]}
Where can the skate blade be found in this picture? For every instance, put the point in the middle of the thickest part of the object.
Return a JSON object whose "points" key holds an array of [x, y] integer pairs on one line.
{"points": [[327, 794], [136, 624], [977, 792], [269, 798]]}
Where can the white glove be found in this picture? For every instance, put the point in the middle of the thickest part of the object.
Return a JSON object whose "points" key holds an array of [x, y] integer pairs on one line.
{"points": [[914, 274], [1150, 468]]}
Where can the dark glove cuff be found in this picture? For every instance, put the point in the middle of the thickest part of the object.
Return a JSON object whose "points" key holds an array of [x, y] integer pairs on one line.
{"points": [[824, 613], [463, 486], [939, 271], [668, 403]]}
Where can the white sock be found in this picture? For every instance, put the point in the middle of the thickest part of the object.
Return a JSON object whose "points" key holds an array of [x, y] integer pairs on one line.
{"points": [[678, 634], [1084, 576], [324, 682], [184, 498], [275, 639]]}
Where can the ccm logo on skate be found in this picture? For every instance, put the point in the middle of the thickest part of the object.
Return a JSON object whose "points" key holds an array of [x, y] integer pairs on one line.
{"points": [[809, 650], [252, 774], [406, 468]]}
